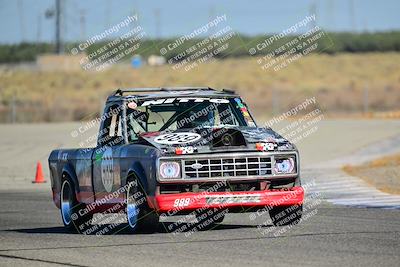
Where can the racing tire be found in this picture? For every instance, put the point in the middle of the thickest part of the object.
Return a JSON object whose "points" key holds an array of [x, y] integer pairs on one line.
{"points": [[139, 216], [288, 215], [69, 207]]}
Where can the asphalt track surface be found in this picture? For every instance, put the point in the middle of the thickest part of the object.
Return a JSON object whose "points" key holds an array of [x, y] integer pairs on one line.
{"points": [[335, 236], [333, 233]]}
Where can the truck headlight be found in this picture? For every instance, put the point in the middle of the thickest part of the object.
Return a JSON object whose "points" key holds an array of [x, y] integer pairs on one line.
{"points": [[170, 170], [284, 165]]}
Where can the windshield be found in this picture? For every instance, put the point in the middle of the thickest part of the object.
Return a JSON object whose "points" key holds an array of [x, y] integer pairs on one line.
{"points": [[185, 113]]}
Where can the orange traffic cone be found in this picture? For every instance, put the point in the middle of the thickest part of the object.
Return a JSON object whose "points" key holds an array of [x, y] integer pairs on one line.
{"points": [[39, 178]]}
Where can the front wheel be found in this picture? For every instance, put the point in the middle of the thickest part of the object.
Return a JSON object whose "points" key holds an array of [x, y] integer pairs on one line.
{"points": [[288, 215], [140, 217]]}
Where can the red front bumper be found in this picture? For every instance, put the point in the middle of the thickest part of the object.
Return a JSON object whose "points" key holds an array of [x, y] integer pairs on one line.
{"points": [[192, 201]]}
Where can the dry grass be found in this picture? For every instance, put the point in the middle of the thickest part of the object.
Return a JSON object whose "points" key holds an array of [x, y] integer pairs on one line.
{"points": [[337, 82], [383, 173]]}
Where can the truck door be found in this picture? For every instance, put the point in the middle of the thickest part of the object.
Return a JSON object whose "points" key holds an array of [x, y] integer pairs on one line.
{"points": [[106, 167], [83, 170]]}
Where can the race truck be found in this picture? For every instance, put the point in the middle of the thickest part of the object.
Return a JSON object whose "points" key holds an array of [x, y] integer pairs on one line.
{"points": [[177, 151]]}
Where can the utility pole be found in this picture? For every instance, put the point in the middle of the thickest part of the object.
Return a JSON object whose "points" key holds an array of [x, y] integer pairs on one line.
{"points": [[313, 11], [211, 16], [352, 16], [21, 19], [157, 14], [107, 14], [82, 24], [13, 109], [135, 11], [331, 15], [58, 27], [275, 101], [39, 28]]}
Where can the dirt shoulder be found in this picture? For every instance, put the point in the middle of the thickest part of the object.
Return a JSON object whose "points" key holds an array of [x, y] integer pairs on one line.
{"points": [[382, 173]]}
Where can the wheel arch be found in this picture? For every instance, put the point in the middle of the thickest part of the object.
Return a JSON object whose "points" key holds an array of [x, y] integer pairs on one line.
{"points": [[69, 172], [138, 172]]}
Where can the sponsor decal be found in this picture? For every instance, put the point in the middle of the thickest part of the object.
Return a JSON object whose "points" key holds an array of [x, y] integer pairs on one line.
{"points": [[266, 146], [177, 138], [189, 92], [245, 112], [62, 156], [107, 165], [228, 199], [185, 150], [183, 100]]}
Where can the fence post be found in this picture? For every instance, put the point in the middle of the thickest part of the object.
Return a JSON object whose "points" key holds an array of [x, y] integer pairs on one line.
{"points": [[275, 101], [366, 98], [13, 110]]}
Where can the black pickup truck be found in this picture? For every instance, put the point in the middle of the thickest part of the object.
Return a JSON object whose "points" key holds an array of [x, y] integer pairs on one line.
{"points": [[174, 151]]}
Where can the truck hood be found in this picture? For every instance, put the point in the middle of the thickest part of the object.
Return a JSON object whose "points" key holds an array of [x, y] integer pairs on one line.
{"points": [[217, 139]]}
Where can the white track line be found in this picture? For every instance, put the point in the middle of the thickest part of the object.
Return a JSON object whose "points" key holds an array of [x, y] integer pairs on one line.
{"points": [[338, 188]]}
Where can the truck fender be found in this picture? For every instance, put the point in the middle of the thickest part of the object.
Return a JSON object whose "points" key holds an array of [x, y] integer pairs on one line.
{"points": [[138, 170], [68, 170]]}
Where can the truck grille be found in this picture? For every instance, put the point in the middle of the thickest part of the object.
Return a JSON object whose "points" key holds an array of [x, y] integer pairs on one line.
{"points": [[226, 167]]}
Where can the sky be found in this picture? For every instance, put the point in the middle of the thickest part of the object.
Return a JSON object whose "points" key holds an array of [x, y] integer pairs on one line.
{"points": [[24, 20]]}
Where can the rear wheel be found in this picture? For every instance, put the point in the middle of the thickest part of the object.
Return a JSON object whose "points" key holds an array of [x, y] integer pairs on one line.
{"points": [[140, 217], [288, 215], [71, 209]]}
